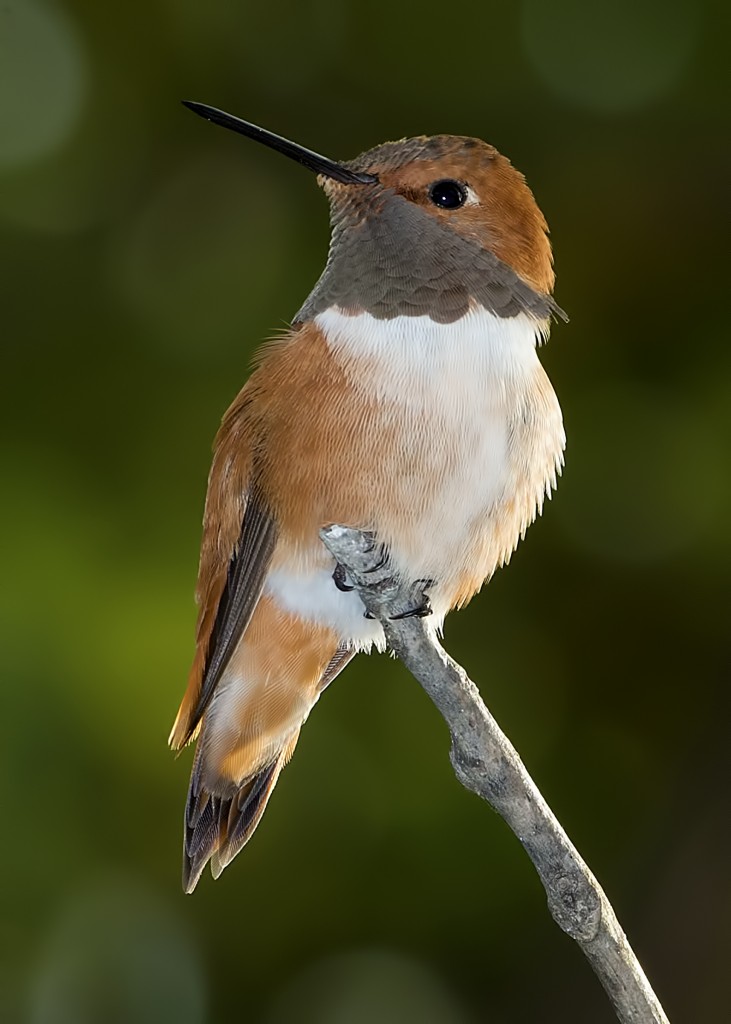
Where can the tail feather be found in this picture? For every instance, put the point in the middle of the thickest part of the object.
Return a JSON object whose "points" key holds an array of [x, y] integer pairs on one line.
{"points": [[249, 733], [218, 826]]}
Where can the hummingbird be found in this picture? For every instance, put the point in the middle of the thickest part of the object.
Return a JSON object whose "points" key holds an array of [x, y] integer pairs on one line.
{"points": [[406, 400]]}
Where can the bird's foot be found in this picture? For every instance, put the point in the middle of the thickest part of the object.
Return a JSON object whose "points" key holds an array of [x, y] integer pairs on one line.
{"points": [[381, 578], [383, 557], [340, 579], [421, 610]]}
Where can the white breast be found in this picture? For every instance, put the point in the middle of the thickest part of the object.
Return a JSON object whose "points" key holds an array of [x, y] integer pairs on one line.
{"points": [[480, 441], [414, 359]]}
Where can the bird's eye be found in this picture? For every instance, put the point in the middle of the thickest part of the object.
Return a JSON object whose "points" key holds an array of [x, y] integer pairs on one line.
{"points": [[448, 194]]}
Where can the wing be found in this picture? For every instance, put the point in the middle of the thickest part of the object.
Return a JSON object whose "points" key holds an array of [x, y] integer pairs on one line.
{"points": [[239, 534]]}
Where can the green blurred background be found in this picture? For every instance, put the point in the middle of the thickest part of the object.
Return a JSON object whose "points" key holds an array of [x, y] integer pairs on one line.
{"points": [[145, 254]]}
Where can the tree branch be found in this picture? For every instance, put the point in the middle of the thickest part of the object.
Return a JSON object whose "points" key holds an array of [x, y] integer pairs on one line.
{"points": [[486, 762]]}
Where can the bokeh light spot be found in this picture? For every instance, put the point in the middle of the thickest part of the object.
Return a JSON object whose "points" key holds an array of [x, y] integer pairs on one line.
{"points": [[117, 953], [42, 79], [366, 986], [612, 55]]}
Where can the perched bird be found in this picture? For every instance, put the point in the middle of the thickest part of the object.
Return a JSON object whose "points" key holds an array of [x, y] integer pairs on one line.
{"points": [[406, 399]]}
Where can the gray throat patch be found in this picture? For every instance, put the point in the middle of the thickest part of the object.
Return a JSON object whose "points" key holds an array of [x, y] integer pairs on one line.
{"points": [[401, 261]]}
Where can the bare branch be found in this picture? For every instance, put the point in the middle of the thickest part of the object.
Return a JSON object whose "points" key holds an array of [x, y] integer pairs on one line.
{"points": [[485, 762]]}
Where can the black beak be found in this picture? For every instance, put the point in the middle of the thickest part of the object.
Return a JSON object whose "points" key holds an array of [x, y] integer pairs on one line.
{"points": [[315, 162]]}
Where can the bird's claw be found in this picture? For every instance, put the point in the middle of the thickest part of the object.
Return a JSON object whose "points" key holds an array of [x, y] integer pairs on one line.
{"points": [[383, 556], [339, 579], [421, 611]]}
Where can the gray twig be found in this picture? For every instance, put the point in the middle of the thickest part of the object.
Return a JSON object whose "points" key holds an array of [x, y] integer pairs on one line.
{"points": [[486, 762]]}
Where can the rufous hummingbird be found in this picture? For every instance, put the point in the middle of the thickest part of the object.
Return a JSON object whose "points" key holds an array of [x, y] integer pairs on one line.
{"points": [[407, 400]]}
